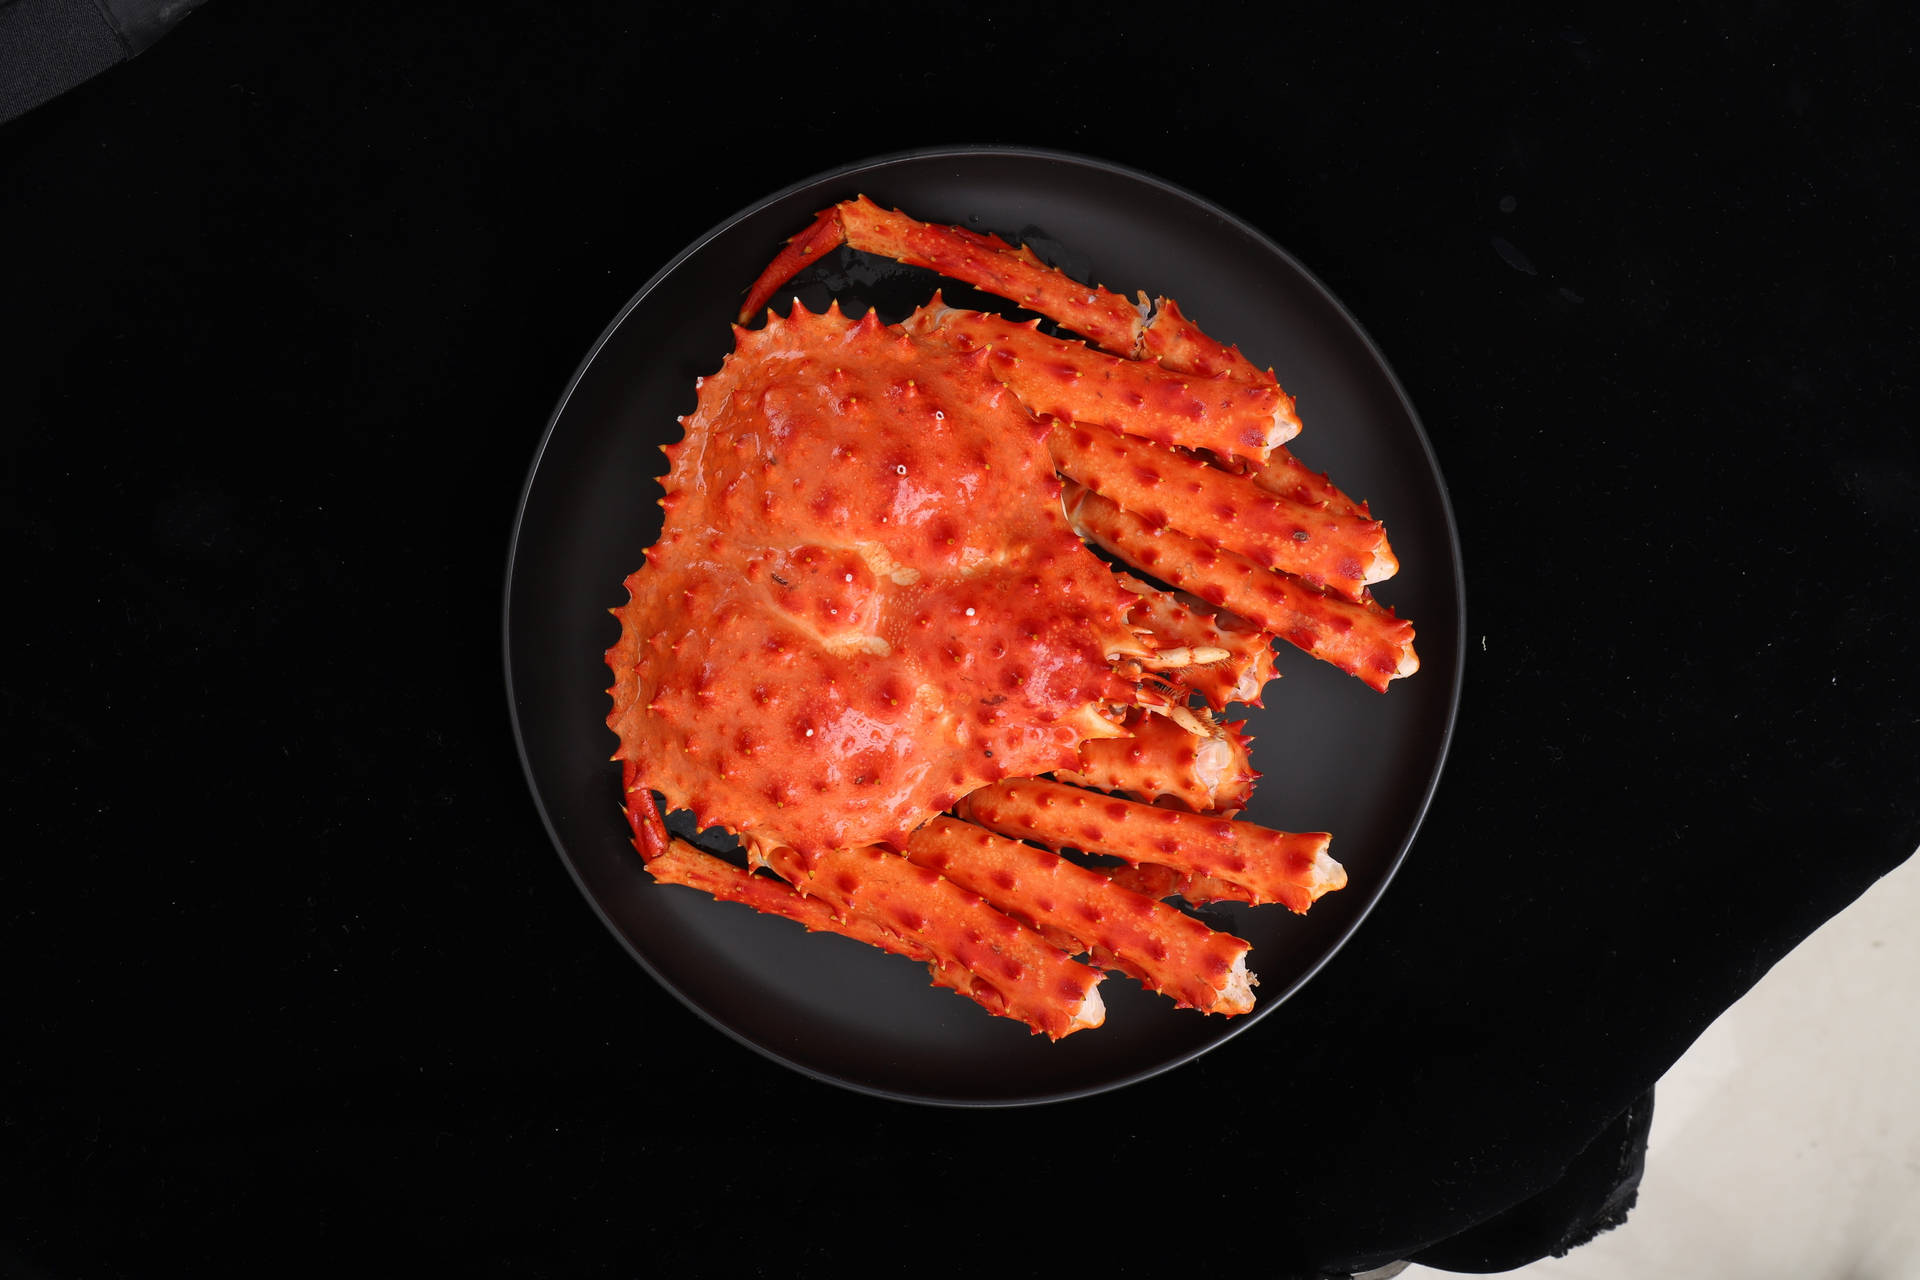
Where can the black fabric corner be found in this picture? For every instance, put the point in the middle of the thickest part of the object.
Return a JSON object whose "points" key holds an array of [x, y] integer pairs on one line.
{"points": [[1596, 1194], [48, 47]]}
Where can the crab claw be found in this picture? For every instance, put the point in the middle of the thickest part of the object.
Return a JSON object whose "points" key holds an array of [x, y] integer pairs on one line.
{"points": [[643, 815], [984, 261], [823, 237]]}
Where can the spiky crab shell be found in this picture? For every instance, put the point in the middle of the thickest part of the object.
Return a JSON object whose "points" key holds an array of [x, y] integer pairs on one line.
{"points": [[865, 601]]}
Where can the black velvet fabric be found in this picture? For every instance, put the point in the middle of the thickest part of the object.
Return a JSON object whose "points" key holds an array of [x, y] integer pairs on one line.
{"points": [[48, 47], [296, 982]]}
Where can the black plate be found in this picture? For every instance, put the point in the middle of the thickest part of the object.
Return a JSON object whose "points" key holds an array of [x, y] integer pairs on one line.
{"points": [[1336, 756]]}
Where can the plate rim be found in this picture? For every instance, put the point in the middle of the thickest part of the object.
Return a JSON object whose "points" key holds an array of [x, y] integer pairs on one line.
{"points": [[1456, 676]]}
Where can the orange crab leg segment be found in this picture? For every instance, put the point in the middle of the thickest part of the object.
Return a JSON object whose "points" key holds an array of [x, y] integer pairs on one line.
{"points": [[1364, 640], [643, 815], [1333, 552], [1273, 866], [1164, 882], [1171, 622], [1178, 343], [1157, 333], [816, 242], [1167, 950], [986, 262], [1286, 476], [1071, 382], [1164, 759], [1038, 983], [683, 864]]}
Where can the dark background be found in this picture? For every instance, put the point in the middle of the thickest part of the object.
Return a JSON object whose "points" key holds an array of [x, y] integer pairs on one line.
{"points": [[294, 980]]}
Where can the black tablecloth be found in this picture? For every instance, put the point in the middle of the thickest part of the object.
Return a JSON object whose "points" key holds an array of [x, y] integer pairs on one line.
{"points": [[295, 979]]}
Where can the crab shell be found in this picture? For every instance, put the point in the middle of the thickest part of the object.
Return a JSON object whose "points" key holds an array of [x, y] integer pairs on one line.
{"points": [[865, 601]]}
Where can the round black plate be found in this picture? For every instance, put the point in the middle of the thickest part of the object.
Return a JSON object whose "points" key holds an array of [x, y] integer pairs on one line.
{"points": [[1336, 756]]}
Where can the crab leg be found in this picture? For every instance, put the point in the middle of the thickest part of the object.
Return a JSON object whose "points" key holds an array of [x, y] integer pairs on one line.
{"points": [[1163, 758], [1272, 866], [1156, 882], [1176, 658], [1070, 382], [1172, 340], [1158, 333], [1286, 476], [1036, 982], [986, 262], [1364, 640], [1333, 552], [683, 864], [643, 814], [1152, 879], [1167, 950], [1174, 623]]}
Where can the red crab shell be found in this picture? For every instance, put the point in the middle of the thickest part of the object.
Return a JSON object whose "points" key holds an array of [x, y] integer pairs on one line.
{"points": [[865, 602]]}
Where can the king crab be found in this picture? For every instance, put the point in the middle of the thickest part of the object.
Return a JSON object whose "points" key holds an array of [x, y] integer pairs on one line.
{"points": [[872, 605]]}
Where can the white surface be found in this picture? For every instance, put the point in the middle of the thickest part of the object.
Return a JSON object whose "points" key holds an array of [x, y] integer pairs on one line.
{"points": [[1786, 1141]]}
